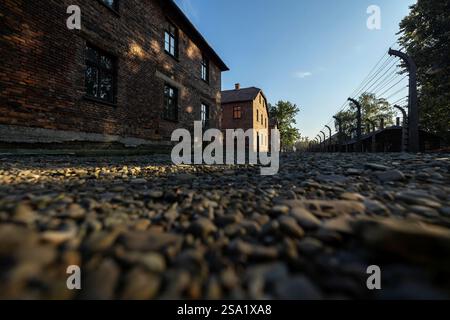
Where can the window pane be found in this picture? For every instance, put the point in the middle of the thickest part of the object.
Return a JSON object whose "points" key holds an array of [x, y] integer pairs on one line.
{"points": [[106, 62], [91, 81], [172, 47], [106, 86], [170, 103], [167, 42], [91, 54]]}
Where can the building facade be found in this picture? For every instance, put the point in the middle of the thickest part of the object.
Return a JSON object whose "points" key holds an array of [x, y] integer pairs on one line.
{"points": [[247, 109], [134, 72]]}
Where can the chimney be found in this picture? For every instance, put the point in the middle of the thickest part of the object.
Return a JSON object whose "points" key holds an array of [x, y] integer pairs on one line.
{"points": [[398, 121], [382, 124], [237, 86]]}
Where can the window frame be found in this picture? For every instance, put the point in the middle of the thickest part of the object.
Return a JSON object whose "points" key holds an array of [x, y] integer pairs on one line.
{"points": [[170, 115], [175, 37], [205, 69], [237, 112], [205, 114], [101, 69]]}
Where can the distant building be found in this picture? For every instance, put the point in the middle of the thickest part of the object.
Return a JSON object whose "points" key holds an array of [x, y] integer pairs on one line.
{"points": [[135, 71], [247, 108]]}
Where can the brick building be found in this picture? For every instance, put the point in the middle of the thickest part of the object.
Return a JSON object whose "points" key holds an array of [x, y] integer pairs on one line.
{"points": [[137, 70], [247, 108]]}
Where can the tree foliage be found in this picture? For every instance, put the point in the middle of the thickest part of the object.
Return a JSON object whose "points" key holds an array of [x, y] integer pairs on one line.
{"points": [[425, 34], [373, 110], [285, 112]]}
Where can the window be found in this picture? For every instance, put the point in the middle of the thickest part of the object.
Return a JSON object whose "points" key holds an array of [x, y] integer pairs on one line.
{"points": [[205, 69], [171, 40], [237, 113], [205, 115], [266, 122], [170, 103], [100, 75], [262, 120]]}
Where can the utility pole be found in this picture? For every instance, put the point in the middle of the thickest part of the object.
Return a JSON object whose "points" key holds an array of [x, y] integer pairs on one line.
{"points": [[358, 123], [413, 109]]}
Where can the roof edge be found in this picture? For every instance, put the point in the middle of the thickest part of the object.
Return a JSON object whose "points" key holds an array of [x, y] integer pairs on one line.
{"points": [[174, 9]]}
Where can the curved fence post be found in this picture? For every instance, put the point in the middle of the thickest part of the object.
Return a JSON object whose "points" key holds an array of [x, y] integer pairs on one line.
{"points": [[404, 128], [413, 109]]}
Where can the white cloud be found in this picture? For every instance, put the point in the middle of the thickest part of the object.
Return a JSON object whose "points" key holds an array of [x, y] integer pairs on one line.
{"points": [[302, 74]]}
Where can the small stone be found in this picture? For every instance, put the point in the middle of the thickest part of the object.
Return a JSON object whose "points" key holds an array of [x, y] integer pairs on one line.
{"points": [[341, 224], [149, 240], [101, 282], [24, 214], [352, 196], [58, 237], [185, 177], [102, 240], [289, 226], [140, 285], [412, 240], [376, 167], [310, 246], [419, 198], [254, 251], [138, 181], [280, 210], [202, 227], [142, 224], [390, 175], [376, 207], [156, 194], [75, 211], [425, 211], [332, 178], [354, 172], [153, 262], [305, 218]]}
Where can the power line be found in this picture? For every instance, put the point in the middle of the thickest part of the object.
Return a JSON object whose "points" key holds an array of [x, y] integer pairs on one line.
{"points": [[393, 86], [387, 80], [392, 65], [397, 92]]}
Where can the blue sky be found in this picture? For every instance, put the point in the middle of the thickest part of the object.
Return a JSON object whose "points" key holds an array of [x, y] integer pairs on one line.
{"points": [[313, 53]]}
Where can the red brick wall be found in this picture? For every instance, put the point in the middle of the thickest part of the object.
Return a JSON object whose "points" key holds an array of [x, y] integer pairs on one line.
{"points": [[42, 69]]}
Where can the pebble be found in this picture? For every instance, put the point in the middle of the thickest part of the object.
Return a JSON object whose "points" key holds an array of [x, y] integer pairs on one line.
{"points": [[290, 227], [305, 218], [390, 175], [142, 228]]}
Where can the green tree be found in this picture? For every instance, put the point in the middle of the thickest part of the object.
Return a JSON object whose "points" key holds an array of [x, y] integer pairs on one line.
{"points": [[285, 112], [425, 35], [373, 110]]}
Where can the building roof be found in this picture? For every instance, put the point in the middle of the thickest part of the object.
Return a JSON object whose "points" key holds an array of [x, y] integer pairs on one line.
{"points": [[241, 95], [172, 10]]}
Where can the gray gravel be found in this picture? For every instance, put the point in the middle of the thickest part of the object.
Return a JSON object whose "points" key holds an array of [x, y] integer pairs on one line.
{"points": [[141, 228]]}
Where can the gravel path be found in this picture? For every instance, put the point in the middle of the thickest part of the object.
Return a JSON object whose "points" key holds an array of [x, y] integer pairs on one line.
{"points": [[140, 228]]}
